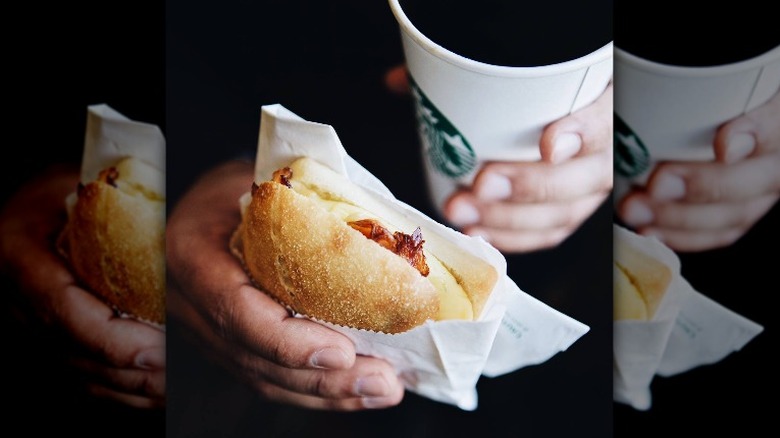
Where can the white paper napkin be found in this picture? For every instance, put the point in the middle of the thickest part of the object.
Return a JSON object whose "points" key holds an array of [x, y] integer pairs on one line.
{"points": [[687, 331], [110, 136], [439, 360]]}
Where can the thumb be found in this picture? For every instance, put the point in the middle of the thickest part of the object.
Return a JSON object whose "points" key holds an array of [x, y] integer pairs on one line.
{"points": [[735, 140], [585, 131], [397, 80]]}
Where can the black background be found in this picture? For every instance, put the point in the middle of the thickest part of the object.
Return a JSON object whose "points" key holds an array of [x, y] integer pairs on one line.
{"points": [[60, 58]]}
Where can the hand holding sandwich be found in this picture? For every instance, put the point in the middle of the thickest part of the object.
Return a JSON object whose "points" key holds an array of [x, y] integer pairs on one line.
{"points": [[285, 359], [117, 359]]}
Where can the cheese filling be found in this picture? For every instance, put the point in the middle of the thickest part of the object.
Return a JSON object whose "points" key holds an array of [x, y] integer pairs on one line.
{"points": [[629, 302]]}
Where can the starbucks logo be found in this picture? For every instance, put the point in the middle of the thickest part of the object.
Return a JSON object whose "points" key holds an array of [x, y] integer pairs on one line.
{"points": [[445, 147], [631, 156]]}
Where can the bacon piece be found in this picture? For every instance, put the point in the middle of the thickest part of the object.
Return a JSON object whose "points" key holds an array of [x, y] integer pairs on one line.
{"points": [[410, 247], [283, 176], [109, 176], [376, 232]]}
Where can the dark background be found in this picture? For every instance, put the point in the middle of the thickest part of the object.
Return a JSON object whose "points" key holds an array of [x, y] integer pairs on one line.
{"points": [[60, 58], [729, 395], [325, 61]]}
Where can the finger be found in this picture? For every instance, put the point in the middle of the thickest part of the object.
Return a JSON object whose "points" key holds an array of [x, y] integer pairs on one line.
{"points": [[128, 381], [582, 132], [543, 182], [120, 342], [716, 182], [286, 341], [397, 80], [282, 395], [516, 216], [520, 241], [735, 141], [696, 217], [132, 400], [260, 324], [754, 133], [369, 377], [690, 241]]}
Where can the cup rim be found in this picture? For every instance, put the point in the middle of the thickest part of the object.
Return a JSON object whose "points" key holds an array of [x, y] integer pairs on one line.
{"points": [[697, 71], [600, 54]]}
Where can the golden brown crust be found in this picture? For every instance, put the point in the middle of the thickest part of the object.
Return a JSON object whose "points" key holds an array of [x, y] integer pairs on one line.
{"points": [[114, 242], [319, 266], [476, 276]]}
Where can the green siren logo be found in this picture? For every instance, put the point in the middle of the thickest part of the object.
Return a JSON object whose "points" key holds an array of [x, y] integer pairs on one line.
{"points": [[445, 147], [631, 156]]}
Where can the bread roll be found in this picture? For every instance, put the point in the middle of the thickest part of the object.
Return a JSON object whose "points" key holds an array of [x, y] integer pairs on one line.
{"points": [[297, 244], [114, 239]]}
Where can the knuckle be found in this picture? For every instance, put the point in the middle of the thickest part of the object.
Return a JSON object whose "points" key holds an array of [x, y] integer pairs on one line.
{"points": [[525, 186], [282, 352], [151, 384], [265, 389], [112, 353], [317, 385], [224, 317]]}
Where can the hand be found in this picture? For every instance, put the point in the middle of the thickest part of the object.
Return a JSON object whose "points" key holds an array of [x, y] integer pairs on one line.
{"points": [[117, 359], [528, 206], [697, 206], [285, 359]]}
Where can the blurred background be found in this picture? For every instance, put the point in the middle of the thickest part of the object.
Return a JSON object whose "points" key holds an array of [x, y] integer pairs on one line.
{"points": [[730, 394], [64, 57]]}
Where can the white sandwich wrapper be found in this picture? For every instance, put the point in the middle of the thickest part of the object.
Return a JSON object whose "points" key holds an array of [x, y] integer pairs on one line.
{"points": [[109, 137], [439, 360], [688, 330], [470, 112]]}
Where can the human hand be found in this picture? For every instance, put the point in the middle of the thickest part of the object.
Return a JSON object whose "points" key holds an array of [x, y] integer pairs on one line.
{"points": [[285, 359], [528, 206], [117, 359], [697, 206]]}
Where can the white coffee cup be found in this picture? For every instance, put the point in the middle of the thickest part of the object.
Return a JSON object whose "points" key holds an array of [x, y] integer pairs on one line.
{"points": [[470, 112], [668, 112]]}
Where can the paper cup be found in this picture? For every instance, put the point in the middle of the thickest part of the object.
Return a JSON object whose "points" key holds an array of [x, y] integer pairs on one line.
{"points": [[667, 112], [470, 112]]}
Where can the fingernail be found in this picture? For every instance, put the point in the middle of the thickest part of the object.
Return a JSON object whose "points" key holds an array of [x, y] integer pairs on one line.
{"points": [[371, 386], [494, 187], [638, 213], [377, 402], [566, 146], [151, 359], [330, 358], [668, 187], [740, 146], [463, 213]]}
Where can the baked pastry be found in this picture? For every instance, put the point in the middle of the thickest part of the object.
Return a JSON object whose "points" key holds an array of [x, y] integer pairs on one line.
{"points": [[114, 238]]}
